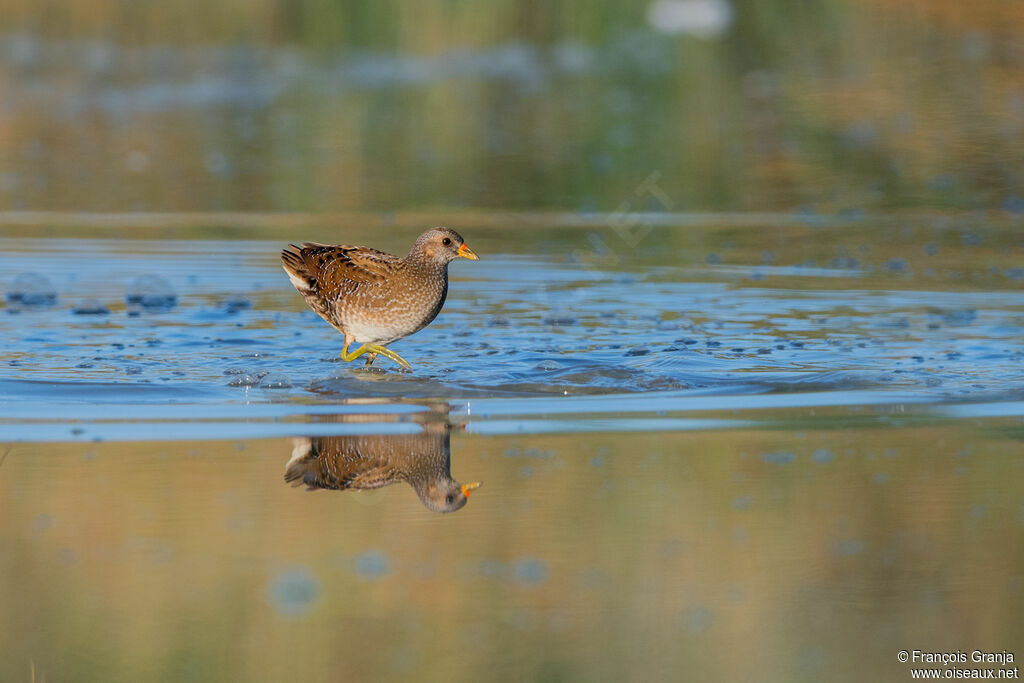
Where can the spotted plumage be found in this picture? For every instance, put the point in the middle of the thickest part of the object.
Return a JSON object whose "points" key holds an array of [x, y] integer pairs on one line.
{"points": [[372, 297]]}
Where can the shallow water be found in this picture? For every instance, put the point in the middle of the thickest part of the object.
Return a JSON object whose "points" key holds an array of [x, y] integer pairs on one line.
{"points": [[825, 542], [724, 433], [943, 320], [740, 371]]}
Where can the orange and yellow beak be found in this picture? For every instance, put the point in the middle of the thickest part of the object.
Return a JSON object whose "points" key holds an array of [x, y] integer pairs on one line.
{"points": [[466, 488], [466, 252]]}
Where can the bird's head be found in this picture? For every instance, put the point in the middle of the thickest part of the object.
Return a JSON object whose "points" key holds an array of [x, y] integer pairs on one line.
{"points": [[441, 246], [447, 496]]}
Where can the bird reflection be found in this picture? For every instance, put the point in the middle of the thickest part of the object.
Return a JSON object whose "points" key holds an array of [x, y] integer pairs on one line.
{"points": [[371, 461]]}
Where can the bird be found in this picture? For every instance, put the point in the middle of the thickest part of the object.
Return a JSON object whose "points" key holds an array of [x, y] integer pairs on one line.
{"points": [[363, 462], [374, 298]]}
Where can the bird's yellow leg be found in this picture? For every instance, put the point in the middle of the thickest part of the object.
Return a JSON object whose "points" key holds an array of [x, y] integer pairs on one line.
{"points": [[385, 351], [374, 348], [349, 357]]}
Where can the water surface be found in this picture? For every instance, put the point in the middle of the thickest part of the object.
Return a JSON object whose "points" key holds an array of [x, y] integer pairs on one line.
{"points": [[740, 369], [723, 433]]}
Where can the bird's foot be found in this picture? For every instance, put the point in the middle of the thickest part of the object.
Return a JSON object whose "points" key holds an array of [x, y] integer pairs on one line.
{"points": [[374, 350], [384, 351]]}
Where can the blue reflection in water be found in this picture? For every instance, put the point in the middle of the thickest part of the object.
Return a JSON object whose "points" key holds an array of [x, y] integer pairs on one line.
{"points": [[294, 591]]}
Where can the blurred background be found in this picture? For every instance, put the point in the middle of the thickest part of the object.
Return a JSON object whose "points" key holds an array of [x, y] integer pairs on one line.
{"points": [[331, 105]]}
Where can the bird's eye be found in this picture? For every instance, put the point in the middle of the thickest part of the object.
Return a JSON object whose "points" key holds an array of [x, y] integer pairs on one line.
{"points": [[446, 241], [450, 499]]}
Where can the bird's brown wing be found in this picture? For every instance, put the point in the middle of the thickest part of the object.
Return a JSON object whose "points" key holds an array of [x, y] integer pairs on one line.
{"points": [[325, 274], [343, 463]]}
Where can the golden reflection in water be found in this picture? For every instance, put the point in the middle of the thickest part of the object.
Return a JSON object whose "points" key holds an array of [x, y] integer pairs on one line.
{"points": [[615, 556], [371, 461]]}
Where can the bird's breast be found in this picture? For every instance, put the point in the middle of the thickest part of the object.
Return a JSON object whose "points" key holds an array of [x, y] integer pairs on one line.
{"points": [[387, 311]]}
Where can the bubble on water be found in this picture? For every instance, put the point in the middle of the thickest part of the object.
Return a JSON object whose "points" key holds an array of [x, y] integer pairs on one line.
{"points": [[151, 293], [372, 564], [822, 455], [244, 380], [31, 290], [234, 304], [530, 571], [293, 592], [275, 381], [780, 457], [90, 307]]}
